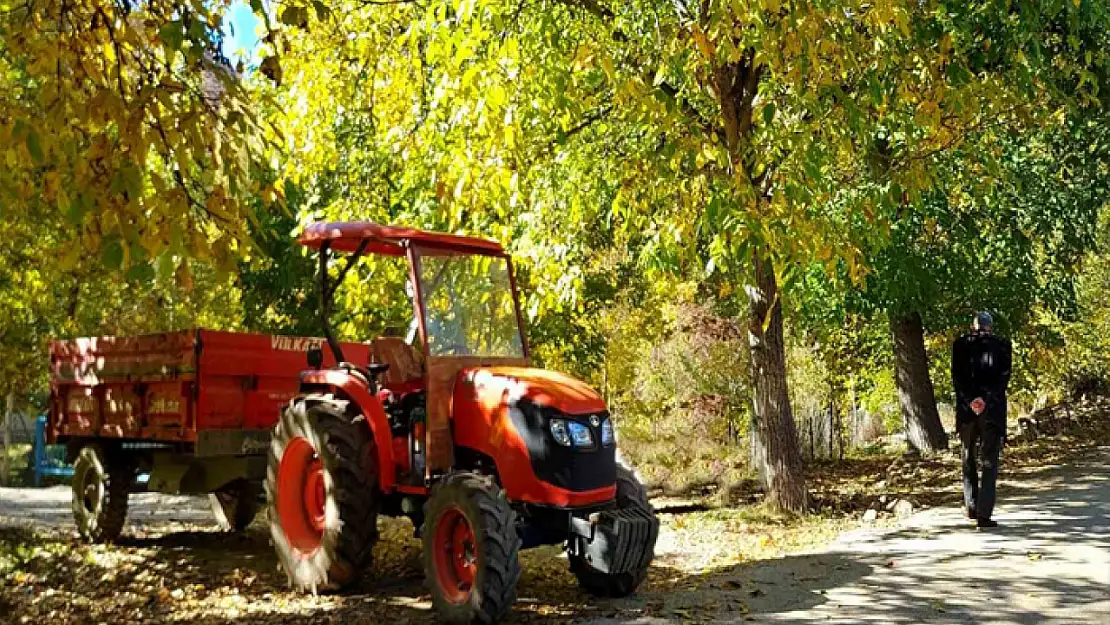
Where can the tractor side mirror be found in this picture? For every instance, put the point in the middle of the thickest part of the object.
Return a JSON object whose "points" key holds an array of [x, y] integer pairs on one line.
{"points": [[315, 357]]}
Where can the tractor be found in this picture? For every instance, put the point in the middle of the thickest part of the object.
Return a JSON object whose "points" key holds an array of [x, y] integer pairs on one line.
{"points": [[451, 428]]}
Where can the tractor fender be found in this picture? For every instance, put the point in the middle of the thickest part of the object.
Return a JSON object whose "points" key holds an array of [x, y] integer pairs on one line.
{"points": [[371, 408]]}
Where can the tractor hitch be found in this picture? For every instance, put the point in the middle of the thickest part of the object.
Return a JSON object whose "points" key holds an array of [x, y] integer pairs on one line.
{"points": [[614, 541]]}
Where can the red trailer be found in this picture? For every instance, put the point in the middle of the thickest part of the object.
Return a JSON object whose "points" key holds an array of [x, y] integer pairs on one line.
{"points": [[194, 409]]}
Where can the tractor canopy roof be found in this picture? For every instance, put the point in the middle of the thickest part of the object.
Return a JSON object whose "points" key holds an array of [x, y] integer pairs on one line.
{"points": [[347, 236]]}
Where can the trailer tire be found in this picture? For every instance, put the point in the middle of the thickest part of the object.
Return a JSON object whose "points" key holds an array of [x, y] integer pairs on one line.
{"points": [[235, 505], [630, 494], [470, 512], [100, 489], [322, 493]]}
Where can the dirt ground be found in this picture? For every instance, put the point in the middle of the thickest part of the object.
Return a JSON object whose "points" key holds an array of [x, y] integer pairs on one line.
{"points": [[1047, 563]]}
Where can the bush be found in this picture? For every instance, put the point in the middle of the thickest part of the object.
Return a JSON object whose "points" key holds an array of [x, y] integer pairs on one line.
{"points": [[682, 404]]}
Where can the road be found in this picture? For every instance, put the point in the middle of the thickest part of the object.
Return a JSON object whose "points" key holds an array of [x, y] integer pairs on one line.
{"points": [[1048, 563], [51, 506]]}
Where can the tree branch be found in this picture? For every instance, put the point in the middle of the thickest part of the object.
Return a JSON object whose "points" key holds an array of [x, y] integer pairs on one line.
{"points": [[119, 53], [688, 109]]}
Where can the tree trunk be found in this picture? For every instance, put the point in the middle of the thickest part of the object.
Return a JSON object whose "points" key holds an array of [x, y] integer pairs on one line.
{"points": [[924, 431], [774, 432], [5, 453]]}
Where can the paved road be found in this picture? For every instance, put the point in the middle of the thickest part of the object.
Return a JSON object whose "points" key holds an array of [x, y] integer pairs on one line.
{"points": [[1048, 563], [51, 506]]}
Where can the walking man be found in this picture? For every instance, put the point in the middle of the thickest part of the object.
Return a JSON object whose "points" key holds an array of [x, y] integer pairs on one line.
{"points": [[980, 373]]}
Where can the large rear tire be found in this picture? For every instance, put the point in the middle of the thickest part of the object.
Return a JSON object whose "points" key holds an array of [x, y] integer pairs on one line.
{"points": [[631, 494], [100, 490], [470, 550], [322, 493]]}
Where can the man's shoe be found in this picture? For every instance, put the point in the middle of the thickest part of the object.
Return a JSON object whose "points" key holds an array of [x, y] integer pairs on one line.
{"points": [[971, 513], [986, 524]]}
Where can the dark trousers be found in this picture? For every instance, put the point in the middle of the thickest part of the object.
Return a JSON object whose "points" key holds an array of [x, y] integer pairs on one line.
{"points": [[981, 439]]}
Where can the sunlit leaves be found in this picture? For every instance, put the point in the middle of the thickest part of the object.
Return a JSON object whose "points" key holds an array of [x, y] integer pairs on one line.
{"points": [[128, 121]]}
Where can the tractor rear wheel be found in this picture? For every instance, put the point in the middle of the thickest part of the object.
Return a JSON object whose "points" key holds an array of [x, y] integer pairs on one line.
{"points": [[470, 550], [322, 493], [235, 505], [631, 494], [100, 489]]}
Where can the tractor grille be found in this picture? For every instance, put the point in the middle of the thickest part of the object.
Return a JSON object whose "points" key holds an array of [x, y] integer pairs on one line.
{"points": [[573, 469], [577, 470]]}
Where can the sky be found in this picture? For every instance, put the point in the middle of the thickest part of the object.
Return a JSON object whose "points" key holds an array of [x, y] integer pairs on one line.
{"points": [[241, 28]]}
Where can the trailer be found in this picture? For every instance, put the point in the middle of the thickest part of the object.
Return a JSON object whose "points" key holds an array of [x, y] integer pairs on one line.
{"points": [[194, 409]]}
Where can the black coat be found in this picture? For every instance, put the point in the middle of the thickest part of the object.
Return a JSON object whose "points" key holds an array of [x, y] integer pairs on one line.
{"points": [[981, 368]]}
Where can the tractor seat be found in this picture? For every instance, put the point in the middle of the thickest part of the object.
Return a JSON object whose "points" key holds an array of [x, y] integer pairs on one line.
{"points": [[406, 363]]}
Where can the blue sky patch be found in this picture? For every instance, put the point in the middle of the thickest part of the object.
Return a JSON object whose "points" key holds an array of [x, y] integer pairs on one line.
{"points": [[241, 34]]}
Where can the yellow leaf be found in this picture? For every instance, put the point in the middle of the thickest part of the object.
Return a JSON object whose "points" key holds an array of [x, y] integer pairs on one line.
{"points": [[607, 66], [703, 43], [69, 259]]}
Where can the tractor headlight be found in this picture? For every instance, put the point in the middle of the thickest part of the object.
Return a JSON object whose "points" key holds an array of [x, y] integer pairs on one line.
{"points": [[580, 434], [607, 437], [559, 432]]}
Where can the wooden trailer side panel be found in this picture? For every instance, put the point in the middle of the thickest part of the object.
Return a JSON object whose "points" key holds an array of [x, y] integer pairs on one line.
{"points": [[221, 390]]}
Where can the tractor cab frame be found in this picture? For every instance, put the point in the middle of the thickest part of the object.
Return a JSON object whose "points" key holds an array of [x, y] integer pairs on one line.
{"points": [[455, 430], [395, 371]]}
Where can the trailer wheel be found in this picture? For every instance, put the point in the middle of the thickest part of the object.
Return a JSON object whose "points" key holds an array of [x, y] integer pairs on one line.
{"points": [[100, 489], [630, 494], [235, 505], [470, 550], [322, 493]]}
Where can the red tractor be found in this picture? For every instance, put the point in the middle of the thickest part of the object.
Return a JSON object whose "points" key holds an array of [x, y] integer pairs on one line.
{"points": [[453, 429]]}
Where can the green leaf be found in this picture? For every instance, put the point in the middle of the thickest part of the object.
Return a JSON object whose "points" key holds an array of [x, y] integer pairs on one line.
{"points": [[196, 30], [768, 112], [111, 252], [295, 16], [132, 182], [660, 75], [34, 147], [271, 68], [141, 272], [78, 206], [63, 202], [322, 10], [172, 35], [165, 266]]}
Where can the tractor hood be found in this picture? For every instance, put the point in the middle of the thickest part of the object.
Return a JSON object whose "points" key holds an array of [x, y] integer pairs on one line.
{"points": [[542, 387]]}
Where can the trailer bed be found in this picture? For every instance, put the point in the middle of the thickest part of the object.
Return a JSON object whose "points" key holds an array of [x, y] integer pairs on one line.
{"points": [[210, 392]]}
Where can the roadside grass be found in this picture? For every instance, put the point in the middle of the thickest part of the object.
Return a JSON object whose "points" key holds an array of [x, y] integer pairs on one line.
{"points": [[18, 459]]}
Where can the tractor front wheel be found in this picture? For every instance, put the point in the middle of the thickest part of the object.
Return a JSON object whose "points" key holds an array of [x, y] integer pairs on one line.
{"points": [[631, 494], [100, 490], [322, 493], [470, 550]]}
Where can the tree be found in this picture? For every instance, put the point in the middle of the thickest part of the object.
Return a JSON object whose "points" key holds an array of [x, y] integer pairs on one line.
{"points": [[125, 119], [742, 140], [727, 124], [749, 111], [1031, 65]]}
